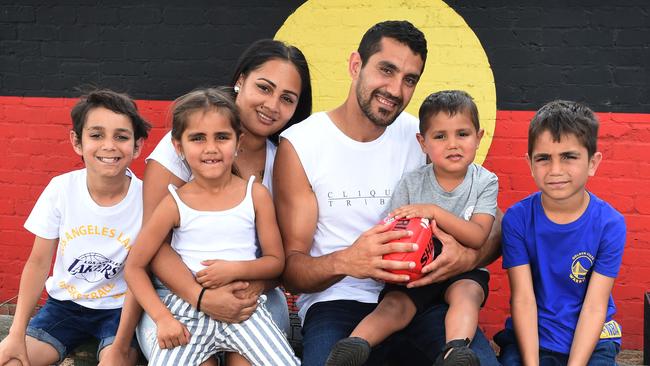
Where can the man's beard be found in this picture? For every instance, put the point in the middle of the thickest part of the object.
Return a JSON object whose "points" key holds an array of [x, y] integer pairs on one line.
{"points": [[384, 118]]}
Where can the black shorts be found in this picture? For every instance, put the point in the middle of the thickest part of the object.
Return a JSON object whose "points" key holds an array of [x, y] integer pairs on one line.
{"points": [[425, 296]]}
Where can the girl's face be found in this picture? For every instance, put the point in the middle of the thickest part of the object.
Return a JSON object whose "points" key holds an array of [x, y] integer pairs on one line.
{"points": [[268, 97], [208, 144]]}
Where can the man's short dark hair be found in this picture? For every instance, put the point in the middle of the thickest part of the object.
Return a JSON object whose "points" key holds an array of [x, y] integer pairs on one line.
{"points": [[561, 118], [113, 101], [450, 102], [399, 30]]}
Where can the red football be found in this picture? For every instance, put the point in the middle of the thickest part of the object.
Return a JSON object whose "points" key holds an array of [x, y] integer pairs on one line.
{"points": [[428, 246]]}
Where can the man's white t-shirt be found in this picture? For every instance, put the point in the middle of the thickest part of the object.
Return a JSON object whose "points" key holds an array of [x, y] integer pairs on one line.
{"points": [[166, 155], [353, 182], [93, 240]]}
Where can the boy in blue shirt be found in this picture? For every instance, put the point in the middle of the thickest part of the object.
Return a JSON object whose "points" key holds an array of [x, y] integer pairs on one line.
{"points": [[562, 247]]}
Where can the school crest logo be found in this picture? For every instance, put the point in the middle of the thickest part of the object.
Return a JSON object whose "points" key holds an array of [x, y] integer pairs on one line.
{"points": [[94, 267], [580, 266]]}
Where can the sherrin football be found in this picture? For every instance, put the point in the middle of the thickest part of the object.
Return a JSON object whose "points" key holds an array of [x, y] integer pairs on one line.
{"points": [[429, 247]]}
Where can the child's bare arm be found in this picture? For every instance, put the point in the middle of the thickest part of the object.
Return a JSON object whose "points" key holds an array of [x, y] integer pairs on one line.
{"points": [[524, 313], [151, 237], [472, 233], [32, 282], [591, 320], [120, 351]]}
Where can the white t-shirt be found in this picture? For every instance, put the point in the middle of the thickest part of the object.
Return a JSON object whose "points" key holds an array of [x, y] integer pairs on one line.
{"points": [[166, 155], [227, 235], [353, 182], [93, 240]]}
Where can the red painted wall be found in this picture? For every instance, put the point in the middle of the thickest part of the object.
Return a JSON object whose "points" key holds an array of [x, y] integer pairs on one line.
{"points": [[35, 147]]}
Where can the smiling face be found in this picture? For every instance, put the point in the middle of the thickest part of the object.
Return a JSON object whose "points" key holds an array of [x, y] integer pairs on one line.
{"points": [[451, 143], [268, 97], [208, 144], [385, 84], [107, 143], [561, 168]]}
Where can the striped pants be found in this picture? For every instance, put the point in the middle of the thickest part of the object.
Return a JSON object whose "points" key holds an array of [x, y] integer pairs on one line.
{"points": [[258, 339]]}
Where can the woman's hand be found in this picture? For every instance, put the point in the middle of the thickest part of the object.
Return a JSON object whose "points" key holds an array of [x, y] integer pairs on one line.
{"points": [[232, 303]]}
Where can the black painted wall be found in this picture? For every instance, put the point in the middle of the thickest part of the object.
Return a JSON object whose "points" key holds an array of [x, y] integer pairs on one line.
{"points": [[597, 52], [153, 50]]}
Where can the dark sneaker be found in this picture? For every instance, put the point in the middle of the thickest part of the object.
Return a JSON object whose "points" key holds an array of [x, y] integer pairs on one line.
{"points": [[457, 353], [351, 351]]}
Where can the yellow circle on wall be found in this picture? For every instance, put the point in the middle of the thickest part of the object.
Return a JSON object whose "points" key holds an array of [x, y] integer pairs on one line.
{"points": [[328, 31]]}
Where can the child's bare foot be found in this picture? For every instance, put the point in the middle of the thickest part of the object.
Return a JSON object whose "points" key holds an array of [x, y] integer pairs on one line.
{"points": [[351, 351]]}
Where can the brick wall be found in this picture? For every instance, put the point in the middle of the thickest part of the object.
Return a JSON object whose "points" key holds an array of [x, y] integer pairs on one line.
{"points": [[598, 54]]}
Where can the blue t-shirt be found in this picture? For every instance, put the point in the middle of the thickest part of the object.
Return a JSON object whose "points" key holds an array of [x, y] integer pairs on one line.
{"points": [[562, 258]]}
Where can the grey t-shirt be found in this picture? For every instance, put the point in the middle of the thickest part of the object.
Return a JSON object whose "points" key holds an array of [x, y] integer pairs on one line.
{"points": [[476, 194]]}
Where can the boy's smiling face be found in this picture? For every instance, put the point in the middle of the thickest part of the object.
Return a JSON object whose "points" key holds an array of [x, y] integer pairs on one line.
{"points": [[561, 168], [107, 143], [451, 143]]}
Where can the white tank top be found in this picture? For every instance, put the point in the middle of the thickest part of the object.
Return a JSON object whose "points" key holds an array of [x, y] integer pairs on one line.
{"points": [[227, 235], [353, 182]]}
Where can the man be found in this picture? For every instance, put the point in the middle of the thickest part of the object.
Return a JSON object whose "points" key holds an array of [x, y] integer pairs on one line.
{"points": [[334, 175]]}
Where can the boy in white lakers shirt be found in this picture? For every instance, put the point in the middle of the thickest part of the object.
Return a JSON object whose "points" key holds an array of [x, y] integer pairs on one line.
{"points": [[88, 219]]}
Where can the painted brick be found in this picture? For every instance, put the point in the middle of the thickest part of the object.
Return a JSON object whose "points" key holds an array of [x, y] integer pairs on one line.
{"points": [[16, 14], [122, 50]]}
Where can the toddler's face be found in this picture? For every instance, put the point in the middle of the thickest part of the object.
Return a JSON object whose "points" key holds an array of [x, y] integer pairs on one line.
{"points": [[451, 143]]}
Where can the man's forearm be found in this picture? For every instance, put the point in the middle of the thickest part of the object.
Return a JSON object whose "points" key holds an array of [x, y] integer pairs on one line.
{"points": [[307, 274]]}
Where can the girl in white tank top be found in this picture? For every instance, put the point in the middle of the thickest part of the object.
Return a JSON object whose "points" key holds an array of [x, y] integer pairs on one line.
{"points": [[215, 215]]}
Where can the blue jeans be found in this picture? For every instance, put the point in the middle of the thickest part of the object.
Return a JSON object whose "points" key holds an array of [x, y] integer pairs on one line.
{"points": [[604, 354], [65, 325], [419, 343]]}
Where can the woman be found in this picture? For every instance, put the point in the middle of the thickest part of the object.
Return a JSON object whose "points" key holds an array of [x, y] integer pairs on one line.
{"points": [[272, 91]]}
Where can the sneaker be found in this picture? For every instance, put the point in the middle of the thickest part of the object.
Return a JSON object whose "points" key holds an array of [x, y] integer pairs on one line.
{"points": [[457, 353], [351, 351]]}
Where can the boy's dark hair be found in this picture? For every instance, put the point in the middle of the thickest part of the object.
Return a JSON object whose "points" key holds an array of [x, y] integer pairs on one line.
{"points": [[113, 101], [450, 102], [400, 30], [561, 118], [265, 50]]}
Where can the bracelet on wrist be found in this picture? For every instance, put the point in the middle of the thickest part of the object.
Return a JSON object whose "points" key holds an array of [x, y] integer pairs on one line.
{"points": [[198, 302]]}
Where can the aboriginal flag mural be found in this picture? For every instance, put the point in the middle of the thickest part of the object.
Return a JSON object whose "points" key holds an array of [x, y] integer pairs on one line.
{"points": [[512, 56]]}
